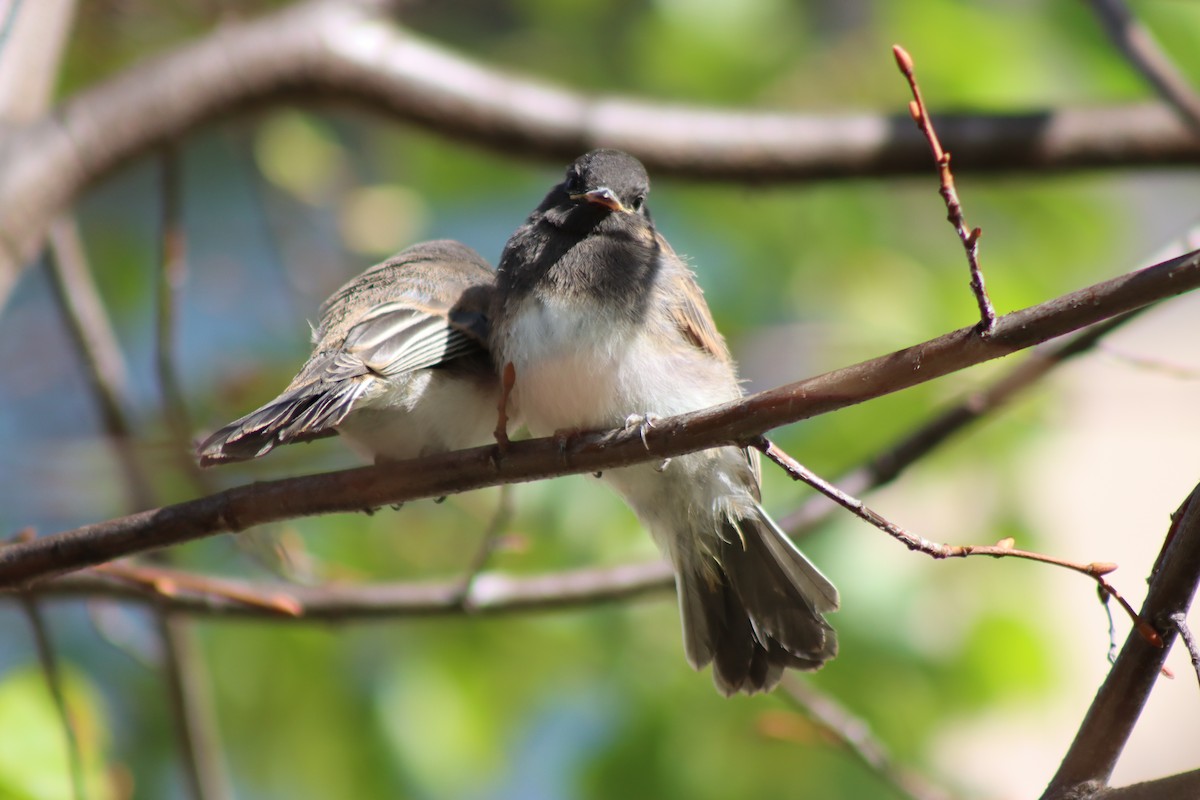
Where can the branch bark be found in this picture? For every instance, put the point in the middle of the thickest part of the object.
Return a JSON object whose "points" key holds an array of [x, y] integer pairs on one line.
{"points": [[322, 51], [488, 593], [737, 422], [1090, 761]]}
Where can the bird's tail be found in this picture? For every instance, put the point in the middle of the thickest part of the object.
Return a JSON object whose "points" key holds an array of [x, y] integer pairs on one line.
{"points": [[308, 411], [755, 606]]}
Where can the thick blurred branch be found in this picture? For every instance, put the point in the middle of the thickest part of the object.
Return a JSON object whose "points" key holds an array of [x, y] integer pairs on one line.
{"points": [[347, 52], [1144, 53], [738, 422], [1118, 704]]}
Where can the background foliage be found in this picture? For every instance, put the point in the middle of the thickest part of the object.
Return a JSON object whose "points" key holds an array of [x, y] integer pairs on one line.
{"points": [[973, 672]]}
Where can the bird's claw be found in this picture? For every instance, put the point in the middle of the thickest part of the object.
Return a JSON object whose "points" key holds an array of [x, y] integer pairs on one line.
{"points": [[642, 423]]}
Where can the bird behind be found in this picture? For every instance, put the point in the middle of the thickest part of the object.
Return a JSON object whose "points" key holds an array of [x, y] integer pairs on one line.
{"points": [[400, 366]]}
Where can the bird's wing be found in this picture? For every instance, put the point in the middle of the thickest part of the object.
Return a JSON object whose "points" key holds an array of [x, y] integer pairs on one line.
{"points": [[688, 310], [402, 336]]}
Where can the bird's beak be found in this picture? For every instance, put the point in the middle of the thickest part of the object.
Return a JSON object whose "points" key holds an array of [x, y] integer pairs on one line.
{"points": [[602, 197]]}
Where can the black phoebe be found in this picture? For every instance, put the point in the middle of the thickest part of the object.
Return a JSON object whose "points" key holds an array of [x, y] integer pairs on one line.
{"points": [[604, 325], [400, 366]]}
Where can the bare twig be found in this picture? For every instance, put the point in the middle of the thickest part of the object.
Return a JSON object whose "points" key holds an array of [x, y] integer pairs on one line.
{"points": [[1185, 633], [1098, 744], [49, 661], [1096, 570], [320, 50], [731, 423], [855, 735], [1144, 53], [941, 157], [167, 583]]}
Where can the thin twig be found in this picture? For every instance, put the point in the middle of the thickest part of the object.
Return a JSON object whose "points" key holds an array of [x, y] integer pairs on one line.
{"points": [[1185, 633], [1096, 570], [50, 668], [1145, 54], [167, 583], [855, 735], [941, 157]]}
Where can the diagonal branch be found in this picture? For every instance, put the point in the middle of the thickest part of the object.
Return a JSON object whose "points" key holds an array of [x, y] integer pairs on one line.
{"points": [[1142, 51], [737, 422], [1118, 704]]}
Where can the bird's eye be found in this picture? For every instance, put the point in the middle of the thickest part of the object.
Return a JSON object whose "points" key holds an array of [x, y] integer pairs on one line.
{"points": [[573, 184], [638, 202]]}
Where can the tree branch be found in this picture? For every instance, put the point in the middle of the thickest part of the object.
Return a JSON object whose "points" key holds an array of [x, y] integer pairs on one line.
{"points": [[323, 50], [488, 593], [1115, 710], [737, 422], [1143, 52]]}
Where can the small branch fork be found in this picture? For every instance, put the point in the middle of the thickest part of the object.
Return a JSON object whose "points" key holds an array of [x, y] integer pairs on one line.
{"points": [[969, 236], [1095, 570]]}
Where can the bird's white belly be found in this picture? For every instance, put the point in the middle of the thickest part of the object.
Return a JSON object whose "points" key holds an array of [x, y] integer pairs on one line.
{"points": [[575, 368]]}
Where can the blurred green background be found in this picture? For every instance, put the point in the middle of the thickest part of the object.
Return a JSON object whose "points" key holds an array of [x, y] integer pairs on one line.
{"points": [[951, 664]]}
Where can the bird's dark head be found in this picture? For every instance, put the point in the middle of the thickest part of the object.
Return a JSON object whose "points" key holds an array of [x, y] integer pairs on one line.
{"points": [[610, 179], [592, 235], [599, 184]]}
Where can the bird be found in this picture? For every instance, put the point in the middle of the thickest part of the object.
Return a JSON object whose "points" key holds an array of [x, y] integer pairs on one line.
{"points": [[599, 324], [400, 365]]}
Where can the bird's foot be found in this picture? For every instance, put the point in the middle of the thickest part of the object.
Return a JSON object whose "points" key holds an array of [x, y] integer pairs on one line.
{"points": [[642, 423], [562, 439]]}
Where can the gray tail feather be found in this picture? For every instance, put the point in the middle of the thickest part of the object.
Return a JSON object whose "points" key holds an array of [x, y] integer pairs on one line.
{"points": [[302, 414], [757, 610]]}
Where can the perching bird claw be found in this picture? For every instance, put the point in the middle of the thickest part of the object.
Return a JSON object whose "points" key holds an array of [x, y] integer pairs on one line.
{"points": [[643, 423]]}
